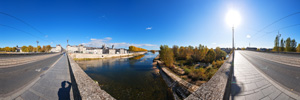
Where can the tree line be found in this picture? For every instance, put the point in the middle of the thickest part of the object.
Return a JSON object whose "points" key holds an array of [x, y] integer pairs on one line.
{"points": [[136, 49], [29, 48], [288, 45], [191, 54]]}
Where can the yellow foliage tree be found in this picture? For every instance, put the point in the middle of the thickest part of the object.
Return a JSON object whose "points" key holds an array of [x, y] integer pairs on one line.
{"points": [[136, 49]]}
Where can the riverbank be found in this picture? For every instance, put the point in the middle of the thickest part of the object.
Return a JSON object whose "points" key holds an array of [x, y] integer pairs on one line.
{"points": [[128, 78], [83, 56], [180, 87]]}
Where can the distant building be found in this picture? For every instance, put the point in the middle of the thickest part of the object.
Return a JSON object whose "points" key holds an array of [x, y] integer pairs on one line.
{"points": [[95, 50], [227, 50], [58, 48], [251, 48], [19, 49]]}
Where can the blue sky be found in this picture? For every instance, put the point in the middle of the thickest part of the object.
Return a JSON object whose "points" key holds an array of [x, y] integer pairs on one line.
{"points": [[146, 23]]}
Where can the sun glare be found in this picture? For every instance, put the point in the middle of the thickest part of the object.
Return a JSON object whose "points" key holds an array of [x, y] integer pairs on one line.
{"points": [[233, 18]]}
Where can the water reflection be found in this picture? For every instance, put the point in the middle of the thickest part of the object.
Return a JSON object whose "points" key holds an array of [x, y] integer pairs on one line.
{"points": [[128, 78]]}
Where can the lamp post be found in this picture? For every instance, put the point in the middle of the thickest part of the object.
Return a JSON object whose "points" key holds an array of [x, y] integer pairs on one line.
{"points": [[233, 42], [37, 44], [233, 19]]}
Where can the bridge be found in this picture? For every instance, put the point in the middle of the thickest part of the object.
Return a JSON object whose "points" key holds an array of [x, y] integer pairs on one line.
{"points": [[252, 76]]}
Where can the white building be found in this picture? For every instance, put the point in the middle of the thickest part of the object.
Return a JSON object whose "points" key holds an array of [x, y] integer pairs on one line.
{"points": [[94, 50], [58, 48]]}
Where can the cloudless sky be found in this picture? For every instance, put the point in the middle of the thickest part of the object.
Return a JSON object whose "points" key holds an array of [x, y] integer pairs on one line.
{"points": [[146, 23]]}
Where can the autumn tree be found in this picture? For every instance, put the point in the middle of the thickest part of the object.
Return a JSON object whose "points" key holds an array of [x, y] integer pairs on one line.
{"points": [[30, 48], [282, 45], [175, 51], [7, 49], [293, 45], [298, 48], [136, 49], [24, 49], [153, 51], [48, 48], [203, 52], [276, 43], [210, 56], [166, 55], [39, 48], [220, 53], [13, 49]]}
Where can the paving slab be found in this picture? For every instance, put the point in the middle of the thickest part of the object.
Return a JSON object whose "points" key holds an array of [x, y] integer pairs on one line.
{"points": [[249, 84], [53, 85]]}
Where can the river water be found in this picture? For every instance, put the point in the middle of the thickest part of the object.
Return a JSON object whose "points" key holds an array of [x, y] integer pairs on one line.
{"points": [[128, 78]]}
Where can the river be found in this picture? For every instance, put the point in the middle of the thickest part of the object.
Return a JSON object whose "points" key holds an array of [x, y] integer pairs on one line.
{"points": [[128, 78]]}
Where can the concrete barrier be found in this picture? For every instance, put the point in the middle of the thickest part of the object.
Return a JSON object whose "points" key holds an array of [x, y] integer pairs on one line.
{"points": [[87, 88], [218, 87]]}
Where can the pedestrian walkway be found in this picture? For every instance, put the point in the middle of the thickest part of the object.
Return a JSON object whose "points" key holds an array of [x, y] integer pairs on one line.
{"points": [[250, 84], [53, 85]]}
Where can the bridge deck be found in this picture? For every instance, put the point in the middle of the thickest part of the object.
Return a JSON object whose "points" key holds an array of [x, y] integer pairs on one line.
{"points": [[250, 83]]}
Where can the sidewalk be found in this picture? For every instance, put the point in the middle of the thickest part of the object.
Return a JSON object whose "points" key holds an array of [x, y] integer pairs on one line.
{"points": [[250, 84], [52, 85]]}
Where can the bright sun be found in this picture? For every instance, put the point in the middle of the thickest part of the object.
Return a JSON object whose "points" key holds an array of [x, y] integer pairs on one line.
{"points": [[233, 18]]}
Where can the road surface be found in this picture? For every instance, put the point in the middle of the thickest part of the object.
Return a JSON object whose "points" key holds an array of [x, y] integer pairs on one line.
{"points": [[268, 76], [14, 78]]}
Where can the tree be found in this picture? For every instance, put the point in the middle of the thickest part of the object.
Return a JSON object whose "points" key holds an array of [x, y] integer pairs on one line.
{"points": [[136, 49], [166, 55], [276, 43], [203, 52], [175, 51], [298, 48], [39, 48], [30, 48], [48, 48], [14, 49], [293, 45], [24, 49], [7, 49], [210, 56], [288, 47], [220, 53], [153, 51], [282, 45]]}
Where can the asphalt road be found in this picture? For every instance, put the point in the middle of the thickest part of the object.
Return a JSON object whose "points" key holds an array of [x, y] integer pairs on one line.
{"points": [[286, 75], [13, 78], [18, 55]]}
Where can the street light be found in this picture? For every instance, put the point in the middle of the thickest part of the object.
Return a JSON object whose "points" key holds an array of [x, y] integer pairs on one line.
{"points": [[233, 19], [37, 44]]}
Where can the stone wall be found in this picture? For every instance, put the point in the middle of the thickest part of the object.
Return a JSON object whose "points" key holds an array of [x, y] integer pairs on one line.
{"points": [[216, 87], [87, 87]]}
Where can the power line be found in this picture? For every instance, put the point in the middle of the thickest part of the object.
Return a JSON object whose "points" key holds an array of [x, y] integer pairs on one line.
{"points": [[275, 22], [278, 30], [23, 31], [24, 23]]}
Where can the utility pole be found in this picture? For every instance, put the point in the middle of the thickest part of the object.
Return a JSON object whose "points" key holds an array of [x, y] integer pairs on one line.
{"points": [[37, 44]]}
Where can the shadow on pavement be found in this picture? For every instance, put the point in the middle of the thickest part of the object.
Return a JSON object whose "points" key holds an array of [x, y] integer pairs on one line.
{"points": [[235, 88], [64, 92]]}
